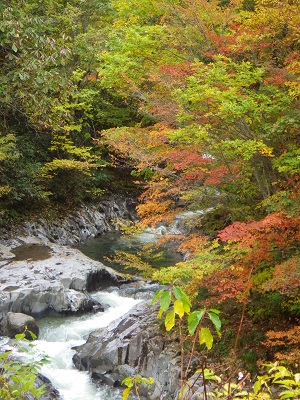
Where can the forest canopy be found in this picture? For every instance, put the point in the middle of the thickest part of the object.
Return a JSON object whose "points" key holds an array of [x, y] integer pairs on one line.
{"points": [[196, 103]]}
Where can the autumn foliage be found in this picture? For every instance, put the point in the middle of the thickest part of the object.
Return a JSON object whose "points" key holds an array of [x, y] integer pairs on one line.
{"points": [[195, 104], [225, 96]]}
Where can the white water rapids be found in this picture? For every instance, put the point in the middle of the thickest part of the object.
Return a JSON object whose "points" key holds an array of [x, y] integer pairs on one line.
{"points": [[59, 335]]}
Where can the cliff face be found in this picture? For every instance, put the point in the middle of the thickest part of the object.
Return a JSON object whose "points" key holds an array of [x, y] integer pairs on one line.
{"points": [[87, 221]]}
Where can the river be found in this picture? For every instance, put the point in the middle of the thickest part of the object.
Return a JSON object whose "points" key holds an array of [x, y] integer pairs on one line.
{"points": [[58, 336]]}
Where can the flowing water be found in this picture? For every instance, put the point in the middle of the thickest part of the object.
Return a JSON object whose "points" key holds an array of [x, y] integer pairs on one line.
{"points": [[58, 336]]}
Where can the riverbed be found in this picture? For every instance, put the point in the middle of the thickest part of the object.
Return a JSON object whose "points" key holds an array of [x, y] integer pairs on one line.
{"points": [[60, 334]]}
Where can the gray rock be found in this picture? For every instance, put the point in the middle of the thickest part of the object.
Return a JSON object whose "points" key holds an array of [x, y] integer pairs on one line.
{"points": [[42, 277], [56, 285], [132, 345], [5, 253], [16, 323], [88, 221]]}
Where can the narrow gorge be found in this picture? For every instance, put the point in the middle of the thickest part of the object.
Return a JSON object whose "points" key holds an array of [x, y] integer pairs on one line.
{"points": [[44, 276]]}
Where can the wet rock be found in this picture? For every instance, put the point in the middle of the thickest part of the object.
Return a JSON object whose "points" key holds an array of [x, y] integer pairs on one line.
{"points": [[17, 323], [132, 345]]}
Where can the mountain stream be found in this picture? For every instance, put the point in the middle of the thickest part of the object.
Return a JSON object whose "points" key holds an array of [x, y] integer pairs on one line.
{"points": [[57, 337]]}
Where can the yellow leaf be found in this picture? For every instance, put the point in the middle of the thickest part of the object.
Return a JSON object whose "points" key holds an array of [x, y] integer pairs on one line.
{"points": [[206, 337], [170, 320], [126, 393], [179, 308]]}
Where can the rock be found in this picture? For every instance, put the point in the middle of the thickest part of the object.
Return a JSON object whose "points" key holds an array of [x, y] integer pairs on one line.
{"points": [[41, 277], [5, 253], [88, 221], [52, 286], [132, 345], [16, 323]]}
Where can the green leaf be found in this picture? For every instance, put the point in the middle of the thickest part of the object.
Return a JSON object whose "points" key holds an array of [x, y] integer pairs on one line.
{"points": [[282, 372], [210, 375], [170, 320], [214, 310], [157, 296], [165, 300], [178, 293], [215, 320], [178, 308], [193, 320], [33, 336], [20, 336], [285, 382], [256, 387], [288, 394], [182, 296], [14, 48], [128, 382], [147, 381], [186, 307], [206, 337]]}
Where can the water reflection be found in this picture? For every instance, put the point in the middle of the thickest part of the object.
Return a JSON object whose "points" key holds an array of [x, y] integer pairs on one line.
{"points": [[103, 248]]}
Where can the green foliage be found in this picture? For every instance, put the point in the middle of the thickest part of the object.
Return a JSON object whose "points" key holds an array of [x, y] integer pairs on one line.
{"points": [[17, 378], [65, 179], [8, 147], [52, 102], [277, 377], [289, 162], [286, 384], [8, 155], [176, 306], [135, 382]]}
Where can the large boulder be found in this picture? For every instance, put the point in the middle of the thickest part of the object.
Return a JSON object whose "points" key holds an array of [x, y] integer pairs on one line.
{"points": [[17, 323], [133, 345], [59, 284], [48, 299]]}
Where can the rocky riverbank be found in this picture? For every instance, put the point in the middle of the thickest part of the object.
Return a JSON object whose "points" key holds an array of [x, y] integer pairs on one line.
{"points": [[42, 275], [58, 284], [133, 344], [87, 221]]}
